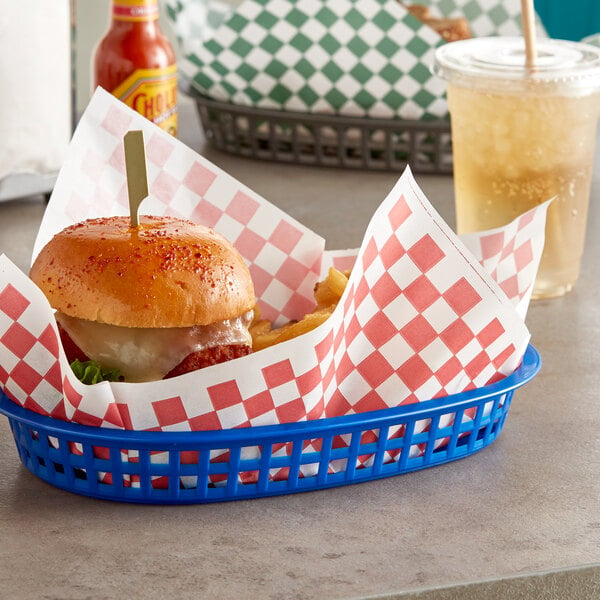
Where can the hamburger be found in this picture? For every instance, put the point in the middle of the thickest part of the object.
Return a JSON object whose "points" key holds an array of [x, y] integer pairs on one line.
{"points": [[154, 301]]}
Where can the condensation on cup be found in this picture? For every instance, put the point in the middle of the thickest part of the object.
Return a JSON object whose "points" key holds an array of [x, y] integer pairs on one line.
{"points": [[523, 136]]}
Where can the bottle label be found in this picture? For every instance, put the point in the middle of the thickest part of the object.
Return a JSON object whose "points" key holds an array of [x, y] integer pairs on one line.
{"points": [[152, 93], [135, 10]]}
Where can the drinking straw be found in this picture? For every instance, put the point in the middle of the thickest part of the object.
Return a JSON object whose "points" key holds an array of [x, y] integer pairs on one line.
{"points": [[528, 18], [135, 167]]}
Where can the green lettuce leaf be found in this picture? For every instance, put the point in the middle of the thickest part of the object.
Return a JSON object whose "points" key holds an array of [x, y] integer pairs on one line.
{"points": [[90, 372]]}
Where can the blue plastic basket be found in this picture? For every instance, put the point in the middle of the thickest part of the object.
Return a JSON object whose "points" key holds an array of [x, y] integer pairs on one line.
{"points": [[213, 466]]}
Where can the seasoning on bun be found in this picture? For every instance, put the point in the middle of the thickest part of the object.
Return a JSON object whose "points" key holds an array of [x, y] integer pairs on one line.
{"points": [[154, 301]]}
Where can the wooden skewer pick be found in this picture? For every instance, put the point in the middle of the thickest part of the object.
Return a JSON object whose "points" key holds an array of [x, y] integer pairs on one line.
{"points": [[528, 17], [135, 167]]}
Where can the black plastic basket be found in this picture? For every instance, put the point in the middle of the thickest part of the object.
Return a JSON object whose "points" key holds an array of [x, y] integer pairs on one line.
{"points": [[327, 140]]}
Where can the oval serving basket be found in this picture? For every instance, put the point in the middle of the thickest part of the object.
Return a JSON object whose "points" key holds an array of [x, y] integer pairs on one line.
{"points": [[213, 466], [324, 140]]}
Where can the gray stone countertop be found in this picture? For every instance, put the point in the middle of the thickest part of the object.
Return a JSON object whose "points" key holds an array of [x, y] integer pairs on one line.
{"points": [[519, 519]]}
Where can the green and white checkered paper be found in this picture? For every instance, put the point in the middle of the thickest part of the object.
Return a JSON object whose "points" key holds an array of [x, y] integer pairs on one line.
{"points": [[347, 57]]}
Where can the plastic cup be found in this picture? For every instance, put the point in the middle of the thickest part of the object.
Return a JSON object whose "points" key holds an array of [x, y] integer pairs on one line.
{"points": [[523, 136]]}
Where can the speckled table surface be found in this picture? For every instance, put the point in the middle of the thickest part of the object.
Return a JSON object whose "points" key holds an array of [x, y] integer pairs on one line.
{"points": [[519, 519]]}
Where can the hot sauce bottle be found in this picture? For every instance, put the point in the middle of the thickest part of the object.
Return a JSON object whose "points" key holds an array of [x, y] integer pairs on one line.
{"points": [[135, 62]]}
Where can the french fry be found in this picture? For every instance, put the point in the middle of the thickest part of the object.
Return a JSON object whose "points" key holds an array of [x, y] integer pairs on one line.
{"points": [[327, 295], [264, 340], [330, 290], [304, 325], [261, 327]]}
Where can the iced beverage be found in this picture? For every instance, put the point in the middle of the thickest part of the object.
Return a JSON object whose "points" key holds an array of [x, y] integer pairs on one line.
{"points": [[521, 137]]}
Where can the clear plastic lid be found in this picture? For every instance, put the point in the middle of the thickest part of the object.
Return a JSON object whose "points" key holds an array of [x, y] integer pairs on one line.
{"points": [[498, 64]]}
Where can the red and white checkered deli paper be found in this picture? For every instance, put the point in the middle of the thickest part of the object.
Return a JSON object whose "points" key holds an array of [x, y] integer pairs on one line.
{"points": [[421, 317]]}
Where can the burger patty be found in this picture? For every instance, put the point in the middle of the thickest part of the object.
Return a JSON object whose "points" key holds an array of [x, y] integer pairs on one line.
{"points": [[192, 362], [208, 357], [72, 350]]}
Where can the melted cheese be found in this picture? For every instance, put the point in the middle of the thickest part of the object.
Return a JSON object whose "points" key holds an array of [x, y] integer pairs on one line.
{"points": [[149, 354]]}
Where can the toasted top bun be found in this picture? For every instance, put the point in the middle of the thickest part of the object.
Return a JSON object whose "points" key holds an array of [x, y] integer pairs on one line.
{"points": [[166, 272]]}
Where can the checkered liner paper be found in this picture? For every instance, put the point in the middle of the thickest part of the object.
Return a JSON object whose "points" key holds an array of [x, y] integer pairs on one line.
{"points": [[349, 57], [420, 318]]}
